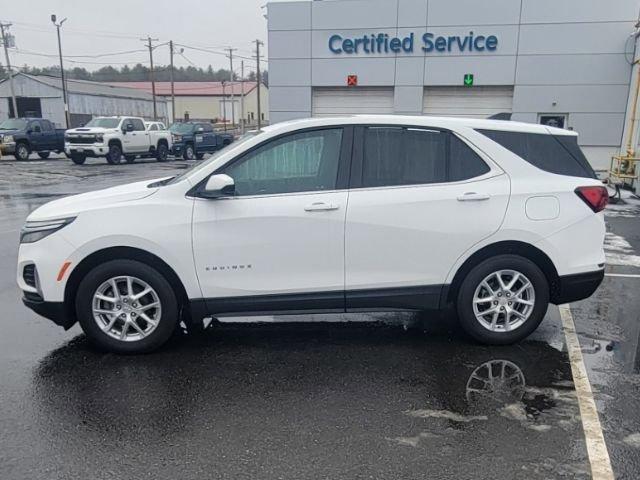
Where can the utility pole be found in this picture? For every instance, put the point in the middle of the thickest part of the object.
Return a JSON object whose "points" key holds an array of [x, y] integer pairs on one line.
{"points": [[233, 114], [173, 97], [151, 74], [6, 38], [64, 83], [224, 107], [242, 97], [258, 43]]}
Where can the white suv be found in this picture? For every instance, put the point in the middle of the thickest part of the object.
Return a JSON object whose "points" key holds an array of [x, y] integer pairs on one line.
{"points": [[362, 213]]}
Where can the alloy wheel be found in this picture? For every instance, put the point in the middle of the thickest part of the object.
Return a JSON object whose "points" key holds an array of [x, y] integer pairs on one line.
{"points": [[503, 301], [126, 308]]}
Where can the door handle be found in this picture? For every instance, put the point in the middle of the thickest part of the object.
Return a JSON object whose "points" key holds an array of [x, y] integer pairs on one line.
{"points": [[473, 197], [320, 206]]}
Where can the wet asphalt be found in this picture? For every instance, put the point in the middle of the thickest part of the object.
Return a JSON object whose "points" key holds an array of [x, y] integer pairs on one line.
{"points": [[365, 396]]}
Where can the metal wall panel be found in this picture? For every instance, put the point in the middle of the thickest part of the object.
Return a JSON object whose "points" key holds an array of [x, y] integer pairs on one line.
{"points": [[348, 14], [571, 98], [370, 71], [473, 12], [570, 11], [573, 69], [499, 70], [289, 16], [292, 72]]}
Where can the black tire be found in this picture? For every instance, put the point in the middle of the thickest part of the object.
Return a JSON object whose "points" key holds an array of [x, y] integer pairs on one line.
{"points": [[162, 152], [464, 303], [169, 304], [114, 156], [43, 155], [78, 159], [130, 158], [22, 151], [189, 152]]}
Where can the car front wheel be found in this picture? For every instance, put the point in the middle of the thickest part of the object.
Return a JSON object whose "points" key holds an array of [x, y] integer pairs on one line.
{"points": [[503, 299], [114, 156], [189, 153], [22, 151], [125, 306]]}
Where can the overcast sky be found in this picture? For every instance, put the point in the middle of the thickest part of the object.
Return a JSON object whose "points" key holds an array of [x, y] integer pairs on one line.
{"points": [[94, 28]]}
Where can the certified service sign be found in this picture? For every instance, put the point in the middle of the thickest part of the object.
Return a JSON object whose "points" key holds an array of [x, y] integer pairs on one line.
{"points": [[429, 43]]}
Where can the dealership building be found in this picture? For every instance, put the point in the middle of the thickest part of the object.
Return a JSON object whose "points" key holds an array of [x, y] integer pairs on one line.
{"points": [[566, 63]]}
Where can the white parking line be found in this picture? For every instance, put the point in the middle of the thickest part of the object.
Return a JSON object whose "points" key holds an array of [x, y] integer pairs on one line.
{"points": [[596, 446], [623, 275]]}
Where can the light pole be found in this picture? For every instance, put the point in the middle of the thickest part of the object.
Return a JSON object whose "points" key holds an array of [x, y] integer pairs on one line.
{"points": [[7, 41], [64, 85]]}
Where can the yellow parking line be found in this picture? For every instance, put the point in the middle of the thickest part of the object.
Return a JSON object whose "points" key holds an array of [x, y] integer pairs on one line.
{"points": [[596, 446]]}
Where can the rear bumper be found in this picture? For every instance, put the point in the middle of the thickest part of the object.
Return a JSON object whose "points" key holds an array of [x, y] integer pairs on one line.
{"points": [[576, 287], [54, 311]]}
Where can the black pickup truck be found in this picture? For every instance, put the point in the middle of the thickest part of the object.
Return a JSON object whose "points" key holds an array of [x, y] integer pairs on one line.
{"points": [[21, 136]]}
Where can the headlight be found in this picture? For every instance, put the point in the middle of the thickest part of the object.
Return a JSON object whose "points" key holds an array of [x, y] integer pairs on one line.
{"points": [[37, 230], [99, 138], [7, 139]]}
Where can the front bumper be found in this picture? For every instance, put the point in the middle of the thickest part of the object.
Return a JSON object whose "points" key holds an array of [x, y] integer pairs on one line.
{"points": [[89, 150], [54, 311], [571, 288], [177, 148], [8, 148]]}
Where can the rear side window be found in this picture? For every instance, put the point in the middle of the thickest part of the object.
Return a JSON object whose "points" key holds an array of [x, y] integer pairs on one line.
{"points": [[414, 156], [558, 154]]}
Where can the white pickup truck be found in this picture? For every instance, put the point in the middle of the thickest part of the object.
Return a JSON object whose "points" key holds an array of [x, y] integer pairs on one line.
{"points": [[114, 138]]}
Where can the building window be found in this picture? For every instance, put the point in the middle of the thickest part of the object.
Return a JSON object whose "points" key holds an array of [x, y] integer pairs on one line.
{"points": [[558, 120]]}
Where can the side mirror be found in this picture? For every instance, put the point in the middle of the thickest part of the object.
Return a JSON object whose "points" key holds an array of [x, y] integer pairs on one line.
{"points": [[219, 186], [200, 130]]}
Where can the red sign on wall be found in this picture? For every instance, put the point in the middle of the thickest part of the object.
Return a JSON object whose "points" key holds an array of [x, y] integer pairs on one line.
{"points": [[352, 80]]}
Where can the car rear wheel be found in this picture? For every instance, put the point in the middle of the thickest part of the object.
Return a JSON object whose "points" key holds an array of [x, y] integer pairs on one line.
{"points": [[126, 306], [78, 159], [22, 151], [43, 155], [189, 153], [114, 156], [503, 299]]}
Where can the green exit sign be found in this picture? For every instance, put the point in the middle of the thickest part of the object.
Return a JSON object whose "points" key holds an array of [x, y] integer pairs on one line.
{"points": [[468, 79]]}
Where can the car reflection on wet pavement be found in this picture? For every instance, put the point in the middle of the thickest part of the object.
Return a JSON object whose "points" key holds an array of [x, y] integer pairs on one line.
{"points": [[298, 400], [384, 396]]}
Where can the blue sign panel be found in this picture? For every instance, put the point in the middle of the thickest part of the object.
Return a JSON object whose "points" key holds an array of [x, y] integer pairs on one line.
{"points": [[383, 43]]}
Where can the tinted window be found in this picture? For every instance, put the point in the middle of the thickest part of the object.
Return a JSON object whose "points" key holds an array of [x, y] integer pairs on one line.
{"points": [[412, 156], [306, 161], [207, 127], [552, 153], [464, 163], [153, 127], [138, 124], [46, 125], [35, 126]]}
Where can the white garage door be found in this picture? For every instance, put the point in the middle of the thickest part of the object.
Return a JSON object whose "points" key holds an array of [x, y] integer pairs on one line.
{"points": [[477, 102], [351, 100]]}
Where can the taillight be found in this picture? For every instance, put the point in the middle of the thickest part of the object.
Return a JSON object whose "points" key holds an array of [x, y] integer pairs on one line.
{"points": [[596, 197]]}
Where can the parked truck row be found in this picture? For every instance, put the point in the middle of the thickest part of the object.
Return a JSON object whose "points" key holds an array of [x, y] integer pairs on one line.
{"points": [[113, 138]]}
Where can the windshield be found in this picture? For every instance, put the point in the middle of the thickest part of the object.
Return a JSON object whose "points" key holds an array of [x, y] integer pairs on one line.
{"points": [[181, 128], [215, 156], [13, 124], [103, 122]]}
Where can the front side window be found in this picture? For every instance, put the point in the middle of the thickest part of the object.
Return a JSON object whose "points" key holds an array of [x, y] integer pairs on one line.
{"points": [[413, 156], [301, 162], [138, 125], [153, 127]]}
